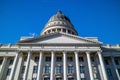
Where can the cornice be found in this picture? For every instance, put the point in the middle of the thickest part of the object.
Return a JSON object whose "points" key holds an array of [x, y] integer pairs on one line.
{"points": [[54, 34]]}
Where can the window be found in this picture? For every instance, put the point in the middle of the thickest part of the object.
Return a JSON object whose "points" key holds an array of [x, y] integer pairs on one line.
{"points": [[73, 33], [68, 31], [47, 78], [25, 58], [92, 59], [106, 62], [70, 69], [58, 30], [48, 59], [59, 78], [94, 69], [11, 62], [116, 62], [1, 60], [58, 69], [35, 69], [36, 59], [109, 72], [47, 69], [34, 78], [82, 79], [82, 69], [70, 78], [8, 71], [81, 59], [45, 33], [59, 59], [21, 78], [70, 59], [119, 71], [64, 30], [23, 69], [53, 30], [48, 31]]}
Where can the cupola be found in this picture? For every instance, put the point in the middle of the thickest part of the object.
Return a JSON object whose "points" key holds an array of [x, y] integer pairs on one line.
{"points": [[59, 23]]}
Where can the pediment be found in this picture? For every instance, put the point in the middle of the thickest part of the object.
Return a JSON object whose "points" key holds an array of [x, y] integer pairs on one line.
{"points": [[59, 38]]}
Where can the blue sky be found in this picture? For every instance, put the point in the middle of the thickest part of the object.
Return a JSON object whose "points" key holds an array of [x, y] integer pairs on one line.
{"points": [[91, 18]]}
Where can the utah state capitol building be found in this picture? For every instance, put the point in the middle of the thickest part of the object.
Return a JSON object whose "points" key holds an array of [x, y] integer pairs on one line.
{"points": [[59, 54]]}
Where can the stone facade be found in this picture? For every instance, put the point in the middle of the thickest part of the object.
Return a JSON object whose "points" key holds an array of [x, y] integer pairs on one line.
{"points": [[59, 54]]}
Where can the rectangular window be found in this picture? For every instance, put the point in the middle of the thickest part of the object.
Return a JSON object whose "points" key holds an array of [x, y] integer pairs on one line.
{"points": [[116, 62], [11, 62], [64, 30], [94, 69], [25, 58], [47, 78], [70, 59], [82, 79], [119, 71], [70, 69], [21, 78], [1, 60], [92, 59], [59, 59], [47, 69], [34, 78], [48, 59], [59, 78], [109, 72], [35, 69], [58, 30], [106, 62], [23, 69], [69, 31], [58, 69], [70, 78], [81, 59], [82, 69], [36, 59], [8, 71]]}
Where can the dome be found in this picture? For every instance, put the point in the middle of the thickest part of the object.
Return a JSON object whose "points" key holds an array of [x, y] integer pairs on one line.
{"points": [[59, 23]]}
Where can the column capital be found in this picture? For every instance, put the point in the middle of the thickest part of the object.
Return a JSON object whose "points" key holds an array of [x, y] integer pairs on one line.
{"points": [[112, 56], [29, 51], [5, 57], [40, 50], [99, 51], [64, 51], [76, 51], [87, 52], [52, 51]]}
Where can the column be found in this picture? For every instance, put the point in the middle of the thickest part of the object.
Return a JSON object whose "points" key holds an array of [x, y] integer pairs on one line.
{"points": [[115, 67], [77, 65], [102, 66], [52, 66], [14, 67], [27, 66], [18, 67], [99, 68], [40, 66], [3, 67], [89, 66], [64, 66]]}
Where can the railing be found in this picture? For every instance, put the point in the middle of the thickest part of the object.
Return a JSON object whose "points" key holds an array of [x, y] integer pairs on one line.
{"points": [[8, 46], [111, 46]]}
